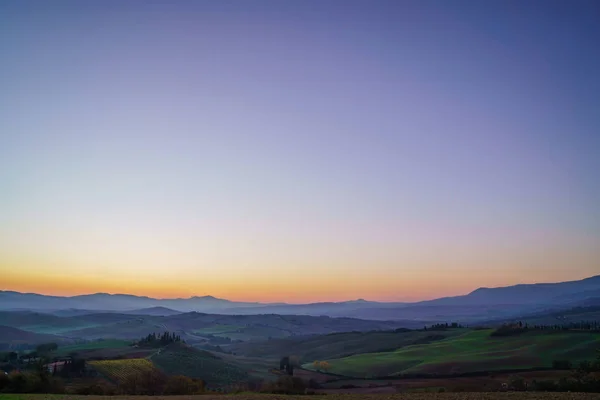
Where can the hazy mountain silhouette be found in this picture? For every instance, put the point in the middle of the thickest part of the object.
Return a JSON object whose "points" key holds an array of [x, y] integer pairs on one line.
{"points": [[480, 303]]}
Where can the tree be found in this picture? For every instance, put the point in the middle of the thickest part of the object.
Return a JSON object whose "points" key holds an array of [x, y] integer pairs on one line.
{"points": [[317, 365], [321, 365], [284, 362]]}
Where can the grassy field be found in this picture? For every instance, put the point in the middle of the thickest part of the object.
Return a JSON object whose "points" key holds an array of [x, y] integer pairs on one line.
{"points": [[391, 396], [179, 359], [469, 352], [96, 345], [339, 345], [117, 370]]}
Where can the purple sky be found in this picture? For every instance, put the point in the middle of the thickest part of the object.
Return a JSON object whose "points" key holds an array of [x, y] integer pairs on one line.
{"points": [[415, 148]]}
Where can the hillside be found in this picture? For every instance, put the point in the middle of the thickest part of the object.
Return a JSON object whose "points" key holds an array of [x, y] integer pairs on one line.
{"points": [[472, 351], [345, 396], [339, 345], [574, 315], [527, 294], [194, 327], [480, 304], [180, 359], [13, 338]]}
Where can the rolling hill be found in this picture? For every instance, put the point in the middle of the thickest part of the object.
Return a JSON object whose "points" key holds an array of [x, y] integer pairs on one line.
{"points": [[181, 359], [14, 338], [338, 345], [480, 304], [470, 352], [193, 327]]}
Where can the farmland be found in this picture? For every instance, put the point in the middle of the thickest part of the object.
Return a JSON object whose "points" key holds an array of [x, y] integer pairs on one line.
{"points": [[95, 345], [180, 359], [403, 396], [339, 345], [469, 352], [118, 370]]}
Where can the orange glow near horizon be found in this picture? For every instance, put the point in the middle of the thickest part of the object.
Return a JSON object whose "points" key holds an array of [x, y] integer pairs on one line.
{"points": [[298, 290], [323, 267]]}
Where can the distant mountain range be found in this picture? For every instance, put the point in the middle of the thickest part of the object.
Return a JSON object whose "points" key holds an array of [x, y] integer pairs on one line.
{"points": [[481, 304]]}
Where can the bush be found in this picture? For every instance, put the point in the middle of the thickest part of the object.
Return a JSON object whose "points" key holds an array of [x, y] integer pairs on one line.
{"points": [[94, 389], [286, 385], [31, 382], [313, 384], [517, 383], [183, 385], [4, 381], [562, 364], [509, 330], [147, 383], [544, 386], [348, 386]]}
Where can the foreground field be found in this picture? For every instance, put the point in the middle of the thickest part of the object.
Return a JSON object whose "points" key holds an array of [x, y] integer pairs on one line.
{"points": [[180, 359], [118, 370], [410, 396], [472, 351]]}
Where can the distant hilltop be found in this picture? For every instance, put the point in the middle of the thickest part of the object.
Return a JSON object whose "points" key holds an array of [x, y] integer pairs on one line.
{"points": [[478, 304]]}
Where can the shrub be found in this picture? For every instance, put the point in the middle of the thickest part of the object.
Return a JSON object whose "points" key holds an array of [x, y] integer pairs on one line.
{"points": [[509, 330], [313, 384], [562, 364], [4, 381], [286, 385], [348, 386], [517, 383], [183, 385], [545, 386]]}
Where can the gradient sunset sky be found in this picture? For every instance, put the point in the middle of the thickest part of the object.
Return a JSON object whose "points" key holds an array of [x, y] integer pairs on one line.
{"points": [[298, 150]]}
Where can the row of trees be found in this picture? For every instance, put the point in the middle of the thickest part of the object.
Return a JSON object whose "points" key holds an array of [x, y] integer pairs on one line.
{"points": [[16, 359], [321, 366], [585, 377], [519, 327], [570, 326], [35, 380], [154, 340], [443, 326], [150, 382]]}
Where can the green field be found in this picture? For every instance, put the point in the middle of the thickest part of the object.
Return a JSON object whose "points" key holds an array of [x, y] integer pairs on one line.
{"points": [[399, 396], [180, 359], [217, 329], [339, 345], [470, 352], [118, 370], [96, 345]]}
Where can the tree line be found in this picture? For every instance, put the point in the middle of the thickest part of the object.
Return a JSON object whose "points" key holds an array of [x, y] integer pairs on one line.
{"points": [[517, 328], [160, 340], [443, 326]]}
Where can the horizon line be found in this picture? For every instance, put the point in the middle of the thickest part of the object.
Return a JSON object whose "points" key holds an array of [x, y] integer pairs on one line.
{"points": [[284, 302]]}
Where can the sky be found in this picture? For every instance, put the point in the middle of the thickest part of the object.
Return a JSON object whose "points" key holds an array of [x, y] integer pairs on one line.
{"points": [[298, 150]]}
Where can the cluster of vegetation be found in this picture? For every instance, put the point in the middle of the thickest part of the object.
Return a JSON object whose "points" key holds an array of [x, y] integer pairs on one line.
{"points": [[23, 359], [153, 382], [321, 366], [288, 363], [119, 370], [518, 327], [593, 326], [584, 378], [35, 380], [443, 326], [181, 359], [160, 340]]}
